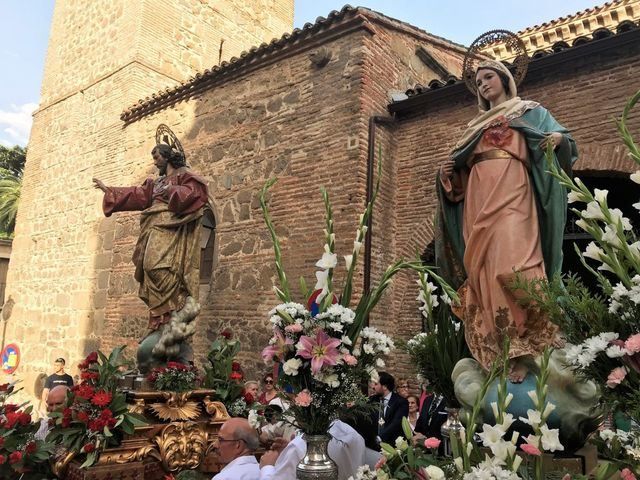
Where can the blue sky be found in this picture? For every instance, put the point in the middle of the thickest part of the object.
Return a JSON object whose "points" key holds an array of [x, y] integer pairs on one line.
{"points": [[25, 31]]}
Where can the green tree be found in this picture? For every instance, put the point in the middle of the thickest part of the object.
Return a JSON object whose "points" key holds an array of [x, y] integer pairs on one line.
{"points": [[12, 162]]}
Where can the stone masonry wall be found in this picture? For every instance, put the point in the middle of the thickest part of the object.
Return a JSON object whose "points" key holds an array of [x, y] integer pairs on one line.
{"points": [[100, 60], [584, 95]]}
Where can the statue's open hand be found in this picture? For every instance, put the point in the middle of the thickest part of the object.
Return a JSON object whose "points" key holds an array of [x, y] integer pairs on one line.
{"points": [[554, 138], [98, 184], [446, 168]]}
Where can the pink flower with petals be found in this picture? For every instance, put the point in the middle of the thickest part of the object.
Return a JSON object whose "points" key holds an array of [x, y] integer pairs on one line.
{"points": [[321, 350], [350, 360], [616, 377], [380, 463], [530, 449], [303, 399], [278, 349], [627, 474], [293, 328], [633, 343], [432, 442]]}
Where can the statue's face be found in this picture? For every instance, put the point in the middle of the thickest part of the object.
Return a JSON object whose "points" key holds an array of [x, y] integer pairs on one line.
{"points": [[489, 85], [159, 161]]}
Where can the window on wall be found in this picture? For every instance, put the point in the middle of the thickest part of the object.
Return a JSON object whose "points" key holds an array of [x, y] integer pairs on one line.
{"points": [[207, 244]]}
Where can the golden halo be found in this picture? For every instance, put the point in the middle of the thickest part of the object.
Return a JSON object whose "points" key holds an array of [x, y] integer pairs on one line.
{"points": [[166, 136], [480, 51]]}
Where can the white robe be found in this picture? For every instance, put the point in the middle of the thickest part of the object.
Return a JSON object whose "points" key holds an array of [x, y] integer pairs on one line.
{"points": [[242, 468], [346, 448]]}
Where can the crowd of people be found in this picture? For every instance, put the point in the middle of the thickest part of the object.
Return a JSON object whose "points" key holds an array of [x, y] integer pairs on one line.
{"points": [[354, 440]]}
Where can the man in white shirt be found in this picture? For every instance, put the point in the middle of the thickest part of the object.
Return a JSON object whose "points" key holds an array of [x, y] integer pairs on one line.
{"points": [[235, 446], [346, 448]]}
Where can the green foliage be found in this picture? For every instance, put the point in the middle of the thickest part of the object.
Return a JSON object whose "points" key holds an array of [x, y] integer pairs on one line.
{"points": [[223, 373], [12, 162]]}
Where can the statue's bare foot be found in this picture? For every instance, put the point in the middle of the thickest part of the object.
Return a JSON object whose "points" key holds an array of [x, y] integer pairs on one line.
{"points": [[517, 371], [559, 341]]}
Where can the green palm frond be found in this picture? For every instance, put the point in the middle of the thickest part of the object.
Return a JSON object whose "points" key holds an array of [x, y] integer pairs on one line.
{"points": [[9, 199]]}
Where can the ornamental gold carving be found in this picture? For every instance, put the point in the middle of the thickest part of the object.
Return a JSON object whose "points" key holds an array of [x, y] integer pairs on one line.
{"points": [[176, 407], [182, 445], [217, 410]]}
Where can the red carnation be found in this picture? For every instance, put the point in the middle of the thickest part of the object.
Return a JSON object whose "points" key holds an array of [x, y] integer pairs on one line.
{"points": [[66, 421], [4, 387], [83, 366], [111, 422], [67, 412], [15, 457], [82, 416], [12, 419], [25, 419], [248, 398], [92, 357], [235, 366], [106, 414], [3, 459], [235, 376], [226, 333], [88, 448], [89, 375], [97, 425], [31, 448], [10, 407], [85, 391], [101, 398]]}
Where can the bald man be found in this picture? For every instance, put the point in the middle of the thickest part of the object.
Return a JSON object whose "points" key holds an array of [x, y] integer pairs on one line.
{"points": [[55, 402], [235, 446]]}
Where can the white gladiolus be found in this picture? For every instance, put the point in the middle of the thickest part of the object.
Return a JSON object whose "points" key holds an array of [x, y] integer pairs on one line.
{"points": [[611, 236], [593, 211], [550, 439], [348, 260], [582, 224], [574, 197], [635, 176], [356, 247], [328, 260], [600, 195], [594, 252]]}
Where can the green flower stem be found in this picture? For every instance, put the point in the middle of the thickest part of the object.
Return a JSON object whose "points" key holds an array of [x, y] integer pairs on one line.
{"points": [[284, 292], [634, 151]]}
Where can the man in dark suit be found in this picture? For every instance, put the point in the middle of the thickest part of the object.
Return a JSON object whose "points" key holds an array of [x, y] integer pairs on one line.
{"points": [[392, 408]]}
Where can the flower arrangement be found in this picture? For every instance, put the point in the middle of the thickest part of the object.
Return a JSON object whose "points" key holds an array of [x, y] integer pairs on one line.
{"points": [[437, 349], [96, 414], [407, 459], [174, 377], [224, 374], [325, 349], [21, 454]]}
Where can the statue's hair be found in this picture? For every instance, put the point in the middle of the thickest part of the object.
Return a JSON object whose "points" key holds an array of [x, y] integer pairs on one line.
{"points": [[174, 157]]}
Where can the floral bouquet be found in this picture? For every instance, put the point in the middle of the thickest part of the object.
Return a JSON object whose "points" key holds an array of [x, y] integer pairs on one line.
{"points": [[224, 374], [437, 349], [21, 454], [96, 414], [174, 377], [244, 405], [325, 349]]}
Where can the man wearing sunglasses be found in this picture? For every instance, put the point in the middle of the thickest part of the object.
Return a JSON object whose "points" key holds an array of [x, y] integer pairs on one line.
{"points": [[235, 446]]}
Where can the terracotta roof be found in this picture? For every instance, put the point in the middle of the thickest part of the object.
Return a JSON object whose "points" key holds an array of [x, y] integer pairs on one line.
{"points": [[256, 54], [557, 47]]}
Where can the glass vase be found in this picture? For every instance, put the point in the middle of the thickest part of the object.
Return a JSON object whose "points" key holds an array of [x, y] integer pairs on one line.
{"points": [[451, 428], [316, 464]]}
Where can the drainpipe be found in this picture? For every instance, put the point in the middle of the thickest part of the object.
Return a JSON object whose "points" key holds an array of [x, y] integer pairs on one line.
{"points": [[371, 150]]}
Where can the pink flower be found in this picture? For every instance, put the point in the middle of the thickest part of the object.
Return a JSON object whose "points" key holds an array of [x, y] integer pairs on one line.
{"points": [[530, 449], [380, 463], [616, 376], [277, 349], [303, 399], [293, 328], [321, 350], [633, 343], [432, 442], [627, 474], [350, 360]]}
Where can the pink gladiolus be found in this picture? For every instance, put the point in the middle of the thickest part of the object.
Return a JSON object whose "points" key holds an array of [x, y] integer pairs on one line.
{"points": [[432, 442], [627, 474], [293, 328], [278, 349], [380, 463], [350, 360], [530, 449], [633, 343], [616, 377], [303, 399], [321, 350]]}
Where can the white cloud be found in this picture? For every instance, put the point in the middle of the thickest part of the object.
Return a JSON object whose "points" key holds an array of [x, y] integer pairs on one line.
{"points": [[16, 124]]}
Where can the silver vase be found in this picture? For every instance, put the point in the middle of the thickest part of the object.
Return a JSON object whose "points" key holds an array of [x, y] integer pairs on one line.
{"points": [[451, 429], [316, 464]]}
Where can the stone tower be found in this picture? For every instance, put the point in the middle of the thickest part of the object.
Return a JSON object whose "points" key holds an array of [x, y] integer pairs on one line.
{"points": [[102, 57]]}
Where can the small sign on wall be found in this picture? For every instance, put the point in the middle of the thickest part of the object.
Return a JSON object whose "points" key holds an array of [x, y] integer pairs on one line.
{"points": [[10, 358]]}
